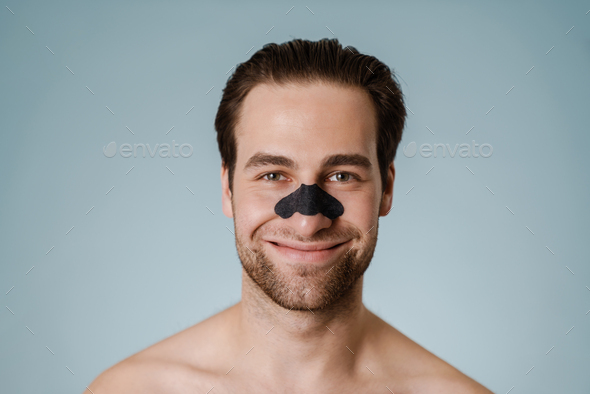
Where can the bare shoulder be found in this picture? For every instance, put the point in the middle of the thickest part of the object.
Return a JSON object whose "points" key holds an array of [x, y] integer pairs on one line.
{"points": [[152, 376], [421, 370], [173, 365], [448, 383]]}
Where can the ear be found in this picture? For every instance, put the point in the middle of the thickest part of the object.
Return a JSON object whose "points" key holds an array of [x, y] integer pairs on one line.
{"points": [[387, 198], [226, 193]]}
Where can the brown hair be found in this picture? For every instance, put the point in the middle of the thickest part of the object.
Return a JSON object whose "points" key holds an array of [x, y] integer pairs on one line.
{"points": [[304, 61]]}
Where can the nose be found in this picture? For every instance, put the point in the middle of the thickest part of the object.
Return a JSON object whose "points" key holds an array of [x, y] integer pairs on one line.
{"points": [[306, 225]]}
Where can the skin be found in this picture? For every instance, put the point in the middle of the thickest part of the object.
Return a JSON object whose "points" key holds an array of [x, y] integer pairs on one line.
{"points": [[300, 326]]}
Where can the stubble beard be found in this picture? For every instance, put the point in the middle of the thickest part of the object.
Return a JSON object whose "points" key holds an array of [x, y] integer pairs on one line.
{"points": [[303, 286]]}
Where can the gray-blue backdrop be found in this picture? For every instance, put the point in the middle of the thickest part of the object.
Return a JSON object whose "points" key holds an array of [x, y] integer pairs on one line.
{"points": [[483, 260]]}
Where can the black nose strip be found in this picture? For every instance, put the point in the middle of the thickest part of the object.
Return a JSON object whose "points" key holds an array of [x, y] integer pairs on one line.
{"points": [[309, 200]]}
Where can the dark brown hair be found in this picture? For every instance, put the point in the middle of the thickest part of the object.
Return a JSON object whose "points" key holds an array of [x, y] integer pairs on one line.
{"points": [[304, 61]]}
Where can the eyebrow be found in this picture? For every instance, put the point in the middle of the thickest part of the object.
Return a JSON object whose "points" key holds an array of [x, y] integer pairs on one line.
{"points": [[262, 159]]}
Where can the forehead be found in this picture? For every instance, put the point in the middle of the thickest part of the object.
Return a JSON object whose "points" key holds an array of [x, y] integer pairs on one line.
{"points": [[306, 122]]}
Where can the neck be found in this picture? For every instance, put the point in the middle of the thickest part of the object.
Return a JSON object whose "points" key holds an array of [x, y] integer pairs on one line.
{"points": [[303, 345]]}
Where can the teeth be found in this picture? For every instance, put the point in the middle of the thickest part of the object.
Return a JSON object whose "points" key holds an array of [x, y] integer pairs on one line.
{"points": [[281, 245]]}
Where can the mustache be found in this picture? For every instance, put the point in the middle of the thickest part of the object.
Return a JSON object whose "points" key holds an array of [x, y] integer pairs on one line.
{"points": [[323, 235]]}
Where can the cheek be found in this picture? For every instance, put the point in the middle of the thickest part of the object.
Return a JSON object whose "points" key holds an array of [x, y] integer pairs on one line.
{"points": [[360, 207], [253, 210]]}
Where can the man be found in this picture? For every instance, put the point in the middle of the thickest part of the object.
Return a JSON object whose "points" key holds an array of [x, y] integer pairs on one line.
{"points": [[307, 133]]}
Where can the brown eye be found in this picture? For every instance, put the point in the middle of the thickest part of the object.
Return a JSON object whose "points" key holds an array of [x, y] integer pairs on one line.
{"points": [[272, 176], [341, 177]]}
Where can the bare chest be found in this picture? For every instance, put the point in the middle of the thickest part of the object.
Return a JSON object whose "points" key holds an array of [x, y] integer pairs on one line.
{"points": [[233, 385]]}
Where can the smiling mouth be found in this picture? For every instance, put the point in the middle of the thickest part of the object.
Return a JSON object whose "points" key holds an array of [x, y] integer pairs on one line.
{"points": [[285, 246], [312, 255]]}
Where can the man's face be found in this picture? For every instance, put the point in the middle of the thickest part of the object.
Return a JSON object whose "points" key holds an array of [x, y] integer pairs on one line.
{"points": [[302, 127]]}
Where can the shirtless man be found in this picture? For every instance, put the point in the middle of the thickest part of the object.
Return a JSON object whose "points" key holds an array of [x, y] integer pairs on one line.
{"points": [[306, 178]]}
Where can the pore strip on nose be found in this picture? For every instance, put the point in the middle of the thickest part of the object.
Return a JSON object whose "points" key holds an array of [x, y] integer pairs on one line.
{"points": [[309, 200]]}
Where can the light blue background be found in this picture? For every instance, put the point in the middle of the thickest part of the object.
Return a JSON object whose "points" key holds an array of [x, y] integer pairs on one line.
{"points": [[455, 269]]}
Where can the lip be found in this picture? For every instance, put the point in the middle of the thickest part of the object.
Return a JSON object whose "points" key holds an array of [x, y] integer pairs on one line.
{"points": [[310, 253]]}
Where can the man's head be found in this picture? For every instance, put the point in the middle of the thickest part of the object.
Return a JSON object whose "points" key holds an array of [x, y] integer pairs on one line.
{"points": [[308, 113]]}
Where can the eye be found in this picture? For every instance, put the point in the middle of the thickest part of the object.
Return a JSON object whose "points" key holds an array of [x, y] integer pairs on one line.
{"points": [[342, 177], [272, 176]]}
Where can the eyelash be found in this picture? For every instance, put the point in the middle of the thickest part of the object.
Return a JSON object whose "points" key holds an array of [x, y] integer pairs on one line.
{"points": [[336, 173]]}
